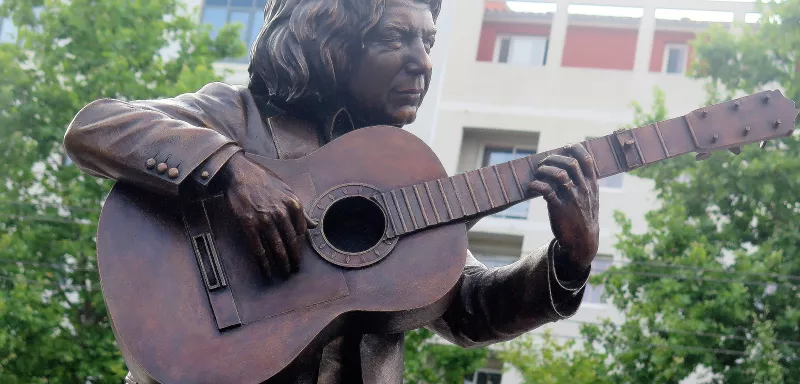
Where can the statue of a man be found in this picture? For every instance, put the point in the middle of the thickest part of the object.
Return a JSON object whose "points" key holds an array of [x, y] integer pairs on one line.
{"points": [[319, 69]]}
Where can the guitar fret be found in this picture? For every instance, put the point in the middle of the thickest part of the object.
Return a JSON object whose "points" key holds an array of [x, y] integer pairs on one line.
{"points": [[471, 192], [638, 148], [691, 130], [661, 139], [614, 152], [502, 187], [458, 197], [410, 211], [388, 209], [516, 179], [530, 164], [486, 187], [444, 196], [594, 160], [433, 204], [399, 212], [421, 206]]}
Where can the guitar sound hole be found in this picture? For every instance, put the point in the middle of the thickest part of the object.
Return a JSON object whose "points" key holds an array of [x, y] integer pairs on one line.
{"points": [[353, 224]]}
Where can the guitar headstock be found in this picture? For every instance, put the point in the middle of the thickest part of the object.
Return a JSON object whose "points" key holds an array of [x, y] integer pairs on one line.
{"points": [[759, 117]]}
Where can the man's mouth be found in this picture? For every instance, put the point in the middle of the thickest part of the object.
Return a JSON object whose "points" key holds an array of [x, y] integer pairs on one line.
{"points": [[411, 91]]}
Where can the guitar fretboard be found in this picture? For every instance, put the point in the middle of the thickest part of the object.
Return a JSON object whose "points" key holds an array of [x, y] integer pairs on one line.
{"points": [[491, 189]]}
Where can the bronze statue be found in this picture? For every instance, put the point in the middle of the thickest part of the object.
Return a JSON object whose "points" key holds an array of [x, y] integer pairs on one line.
{"points": [[321, 69]]}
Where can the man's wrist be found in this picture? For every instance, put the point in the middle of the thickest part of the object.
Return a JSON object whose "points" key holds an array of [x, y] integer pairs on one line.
{"points": [[566, 267]]}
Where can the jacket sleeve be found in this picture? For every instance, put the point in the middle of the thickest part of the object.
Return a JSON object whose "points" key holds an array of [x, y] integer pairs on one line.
{"points": [[157, 144], [499, 304]]}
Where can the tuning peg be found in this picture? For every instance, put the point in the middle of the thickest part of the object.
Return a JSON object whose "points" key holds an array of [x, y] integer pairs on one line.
{"points": [[763, 144], [702, 156], [735, 150]]}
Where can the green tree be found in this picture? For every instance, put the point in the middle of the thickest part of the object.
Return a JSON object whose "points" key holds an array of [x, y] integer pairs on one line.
{"points": [[713, 282], [53, 322], [547, 360], [428, 361]]}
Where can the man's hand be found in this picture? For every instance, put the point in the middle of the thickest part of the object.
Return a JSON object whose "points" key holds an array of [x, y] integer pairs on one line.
{"points": [[569, 185], [270, 214]]}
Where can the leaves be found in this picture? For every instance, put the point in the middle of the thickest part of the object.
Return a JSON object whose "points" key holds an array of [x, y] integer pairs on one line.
{"points": [[431, 361], [53, 323], [714, 282]]}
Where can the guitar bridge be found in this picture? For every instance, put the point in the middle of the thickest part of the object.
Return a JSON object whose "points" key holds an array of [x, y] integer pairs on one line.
{"points": [[208, 261]]}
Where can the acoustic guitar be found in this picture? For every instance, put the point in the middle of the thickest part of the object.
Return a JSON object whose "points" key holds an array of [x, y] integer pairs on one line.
{"points": [[189, 305]]}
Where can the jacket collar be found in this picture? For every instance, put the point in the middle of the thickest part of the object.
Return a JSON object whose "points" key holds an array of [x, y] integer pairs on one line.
{"points": [[330, 122]]}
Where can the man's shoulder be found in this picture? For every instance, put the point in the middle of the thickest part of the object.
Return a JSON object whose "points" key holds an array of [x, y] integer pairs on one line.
{"points": [[224, 90]]}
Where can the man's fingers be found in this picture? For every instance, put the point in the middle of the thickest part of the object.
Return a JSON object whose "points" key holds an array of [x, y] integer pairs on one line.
{"points": [[585, 160], [571, 165], [545, 190], [260, 253], [280, 256], [291, 240], [559, 180], [298, 218]]}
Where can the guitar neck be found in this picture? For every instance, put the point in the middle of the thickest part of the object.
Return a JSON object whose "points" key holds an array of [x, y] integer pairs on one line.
{"points": [[491, 189]]}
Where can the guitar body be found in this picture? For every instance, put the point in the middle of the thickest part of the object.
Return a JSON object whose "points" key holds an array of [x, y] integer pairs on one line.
{"points": [[189, 305]]}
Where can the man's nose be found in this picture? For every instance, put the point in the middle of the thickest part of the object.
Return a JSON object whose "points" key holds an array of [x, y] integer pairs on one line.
{"points": [[419, 60]]}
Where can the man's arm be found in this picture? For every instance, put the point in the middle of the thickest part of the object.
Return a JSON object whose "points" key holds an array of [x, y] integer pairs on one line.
{"points": [[157, 144], [499, 304]]}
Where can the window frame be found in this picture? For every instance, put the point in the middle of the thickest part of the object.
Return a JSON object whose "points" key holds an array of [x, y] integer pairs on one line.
{"points": [[665, 59], [254, 10], [487, 371], [500, 36]]}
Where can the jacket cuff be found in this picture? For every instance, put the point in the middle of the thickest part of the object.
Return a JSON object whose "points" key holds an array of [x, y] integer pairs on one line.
{"points": [[205, 173], [565, 295]]}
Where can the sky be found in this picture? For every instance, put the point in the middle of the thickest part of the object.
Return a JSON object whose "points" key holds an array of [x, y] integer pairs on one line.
{"points": [[670, 14]]}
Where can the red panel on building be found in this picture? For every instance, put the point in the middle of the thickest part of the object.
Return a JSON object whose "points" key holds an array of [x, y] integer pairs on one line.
{"points": [[490, 31], [597, 47], [660, 41]]}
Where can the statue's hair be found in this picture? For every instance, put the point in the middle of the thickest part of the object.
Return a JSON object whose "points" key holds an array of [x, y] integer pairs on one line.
{"points": [[306, 47]]}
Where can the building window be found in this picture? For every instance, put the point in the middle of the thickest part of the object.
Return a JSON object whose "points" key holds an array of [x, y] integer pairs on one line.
{"points": [[493, 155], [249, 13], [594, 293], [521, 50], [484, 376], [494, 250], [675, 58]]}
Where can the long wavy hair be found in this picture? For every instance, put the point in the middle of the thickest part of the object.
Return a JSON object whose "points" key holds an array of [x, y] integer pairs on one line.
{"points": [[306, 48]]}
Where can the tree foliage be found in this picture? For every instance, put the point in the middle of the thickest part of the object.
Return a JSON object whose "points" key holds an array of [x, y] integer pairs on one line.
{"points": [[715, 281], [547, 360], [428, 361], [53, 323]]}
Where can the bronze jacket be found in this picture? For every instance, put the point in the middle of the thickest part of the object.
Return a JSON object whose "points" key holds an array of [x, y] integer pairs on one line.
{"points": [[194, 134]]}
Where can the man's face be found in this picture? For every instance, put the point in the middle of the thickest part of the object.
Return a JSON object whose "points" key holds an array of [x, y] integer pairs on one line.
{"points": [[392, 75]]}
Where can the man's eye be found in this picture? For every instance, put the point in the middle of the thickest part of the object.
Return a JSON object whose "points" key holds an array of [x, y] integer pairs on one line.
{"points": [[394, 43]]}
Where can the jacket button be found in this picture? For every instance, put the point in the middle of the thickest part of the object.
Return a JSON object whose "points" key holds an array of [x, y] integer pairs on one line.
{"points": [[151, 163], [173, 173], [205, 175], [162, 168]]}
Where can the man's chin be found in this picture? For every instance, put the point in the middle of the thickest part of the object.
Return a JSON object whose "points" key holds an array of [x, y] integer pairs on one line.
{"points": [[404, 115]]}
